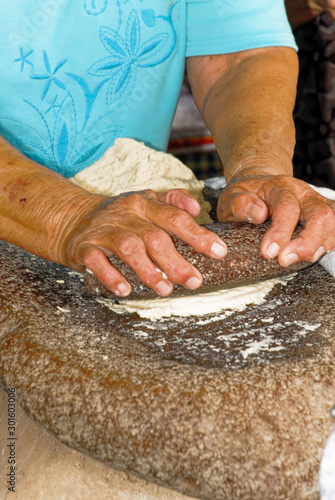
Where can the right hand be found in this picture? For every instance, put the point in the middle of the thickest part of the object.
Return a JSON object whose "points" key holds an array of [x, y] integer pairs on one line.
{"points": [[135, 227], [287, 201]]}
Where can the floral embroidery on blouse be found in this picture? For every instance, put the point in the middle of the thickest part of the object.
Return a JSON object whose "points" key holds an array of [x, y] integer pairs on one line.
{"points": [[61, 142]]}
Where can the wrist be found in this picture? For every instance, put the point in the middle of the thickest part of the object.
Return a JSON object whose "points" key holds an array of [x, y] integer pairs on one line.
{"points": [[252, 170], [66, 221]]}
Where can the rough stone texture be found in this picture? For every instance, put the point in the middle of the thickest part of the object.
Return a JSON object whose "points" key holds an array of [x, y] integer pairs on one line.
{"points": [[244, 263], [49, 470], [235, 408]]}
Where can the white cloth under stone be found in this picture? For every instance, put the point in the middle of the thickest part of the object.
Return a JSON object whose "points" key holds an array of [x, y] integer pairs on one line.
{"points": [[328, 260], [327, 470]]}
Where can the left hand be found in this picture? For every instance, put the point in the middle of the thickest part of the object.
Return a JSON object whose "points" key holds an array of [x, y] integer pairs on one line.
{"points": [[287, 201]]}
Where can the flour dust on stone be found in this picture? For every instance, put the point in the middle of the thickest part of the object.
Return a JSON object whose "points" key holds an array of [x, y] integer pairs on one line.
{"points": [[220, 302], [131, 166]]}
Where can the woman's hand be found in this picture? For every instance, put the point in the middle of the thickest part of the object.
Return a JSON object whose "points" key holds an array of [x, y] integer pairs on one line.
{"points": [[287, 201], [135, 227], [49, 216]]}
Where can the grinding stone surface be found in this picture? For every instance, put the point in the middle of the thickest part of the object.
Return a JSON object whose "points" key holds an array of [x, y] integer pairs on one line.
{"points": [[243, 264], [235, 408], [49, 470]]}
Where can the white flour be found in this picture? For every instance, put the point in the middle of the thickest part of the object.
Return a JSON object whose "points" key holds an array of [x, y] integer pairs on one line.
{"points": [[131, 166]]}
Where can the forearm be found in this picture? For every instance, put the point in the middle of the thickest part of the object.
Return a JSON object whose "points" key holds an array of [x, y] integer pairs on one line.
{"points": [[249, 112], [247, 100], [37, 204], [49, 216]]}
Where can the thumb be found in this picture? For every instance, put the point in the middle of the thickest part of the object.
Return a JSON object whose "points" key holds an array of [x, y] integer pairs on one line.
{"points": [[180, 198], [242, 206]]}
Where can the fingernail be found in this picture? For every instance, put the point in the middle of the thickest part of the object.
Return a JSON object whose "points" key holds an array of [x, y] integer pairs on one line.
{"points": [[123, 289], [218, 250], [290, 258], [272, 250], [193, 283], [163, 288], [253, 212], [319, 253]]}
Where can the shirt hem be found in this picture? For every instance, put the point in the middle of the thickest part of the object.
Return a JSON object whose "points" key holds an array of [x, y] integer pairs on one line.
{"points": [[228, 46]]}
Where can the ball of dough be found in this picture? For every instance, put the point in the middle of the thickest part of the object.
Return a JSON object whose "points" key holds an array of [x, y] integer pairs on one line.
{"points": [[129, 165]]}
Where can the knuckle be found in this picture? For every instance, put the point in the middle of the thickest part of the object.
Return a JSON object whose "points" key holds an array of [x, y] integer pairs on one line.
{"points": [[179, 218], [150, 193], [177, 273], [174, 194], [135, 198], [325, 218], [286, 198], [153, 277], [203, 242], [127, 244], [157, 240], [90, 257], [234, 202], [170, 197], [328, 213]]}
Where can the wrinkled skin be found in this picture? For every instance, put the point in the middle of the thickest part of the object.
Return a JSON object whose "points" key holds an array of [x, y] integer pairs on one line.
{"points": [[256, 143], [64, 223], [287, 201], [247, 99], [135, 227]]}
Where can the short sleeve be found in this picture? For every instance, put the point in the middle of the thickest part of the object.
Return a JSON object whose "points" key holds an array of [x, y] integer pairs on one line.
{"points": [[225, 26]]}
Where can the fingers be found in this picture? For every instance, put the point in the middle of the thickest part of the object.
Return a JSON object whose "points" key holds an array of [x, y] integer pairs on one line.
{"points": [[291, 203], [270, 200], [180, 198], [287, 201], [316, 238], [286, 212], [133, 253], [96, 262], [238, 204], [300, 202], [184, 226], [135, 228], [152, 254]]}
